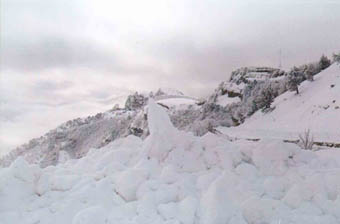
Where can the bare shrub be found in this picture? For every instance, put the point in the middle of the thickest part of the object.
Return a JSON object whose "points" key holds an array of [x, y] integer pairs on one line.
{"points": [[306, 140]]}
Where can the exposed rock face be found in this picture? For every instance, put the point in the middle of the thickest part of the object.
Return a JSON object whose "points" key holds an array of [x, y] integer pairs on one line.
{"points": [[241, 78], [135, 101], [247, 74]]}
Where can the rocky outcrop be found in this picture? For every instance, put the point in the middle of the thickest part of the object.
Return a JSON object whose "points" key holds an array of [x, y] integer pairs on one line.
{"points": [[135, 101], [248, 74]]}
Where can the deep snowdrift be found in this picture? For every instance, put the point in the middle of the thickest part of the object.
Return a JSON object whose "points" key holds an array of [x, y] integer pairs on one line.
{"points": [[317, 108], [175, 177]]}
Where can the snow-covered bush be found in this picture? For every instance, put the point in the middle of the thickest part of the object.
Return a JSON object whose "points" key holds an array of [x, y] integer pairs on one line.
{"points": [[307, 71], [336, 57], [216, 112], [199, 128], [268, 97], [293, 81], [238, 111], [324, 62], [184, 118], [258, 95]]}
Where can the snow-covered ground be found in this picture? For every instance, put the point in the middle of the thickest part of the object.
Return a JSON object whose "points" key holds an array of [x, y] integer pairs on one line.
{"points": [[317, 108], [174, 177]]}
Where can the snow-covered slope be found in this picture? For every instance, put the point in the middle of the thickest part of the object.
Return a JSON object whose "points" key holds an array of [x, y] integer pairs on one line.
{"points": [[317, 108], [74, 138], [173, 177]]}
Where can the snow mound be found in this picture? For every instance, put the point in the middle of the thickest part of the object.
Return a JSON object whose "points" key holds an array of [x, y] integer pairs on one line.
{"points": [[162, 132], [158, 120], [175, 177]]}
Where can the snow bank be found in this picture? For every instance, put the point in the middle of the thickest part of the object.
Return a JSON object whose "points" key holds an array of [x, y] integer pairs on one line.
{"points": [[175, 177]]}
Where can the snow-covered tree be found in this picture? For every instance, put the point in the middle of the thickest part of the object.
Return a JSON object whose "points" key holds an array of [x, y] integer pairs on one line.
{"points": [[336, 57], [324, 62], [293, 81], [308, 72], [268, 97]]}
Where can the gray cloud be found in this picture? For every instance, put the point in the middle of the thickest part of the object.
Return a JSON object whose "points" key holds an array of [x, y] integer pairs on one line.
{"points": [[54, 53], [52, 86]]}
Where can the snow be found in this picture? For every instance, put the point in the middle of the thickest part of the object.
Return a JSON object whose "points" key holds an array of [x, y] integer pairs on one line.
{"points": [[175, 177], [226, 100], [170, 92], [317, 108], [91, 215], [162, 132], [177, 102], [129, 181], [233, 87]]}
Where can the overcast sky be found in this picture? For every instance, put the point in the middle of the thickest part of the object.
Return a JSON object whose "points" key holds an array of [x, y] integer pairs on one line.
{"points": [[62, 59]]}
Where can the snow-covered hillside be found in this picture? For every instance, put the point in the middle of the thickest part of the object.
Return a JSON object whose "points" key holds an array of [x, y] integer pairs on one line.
{"points": [[74, 138], [173, 177], [229, 105], [317, 108]]}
